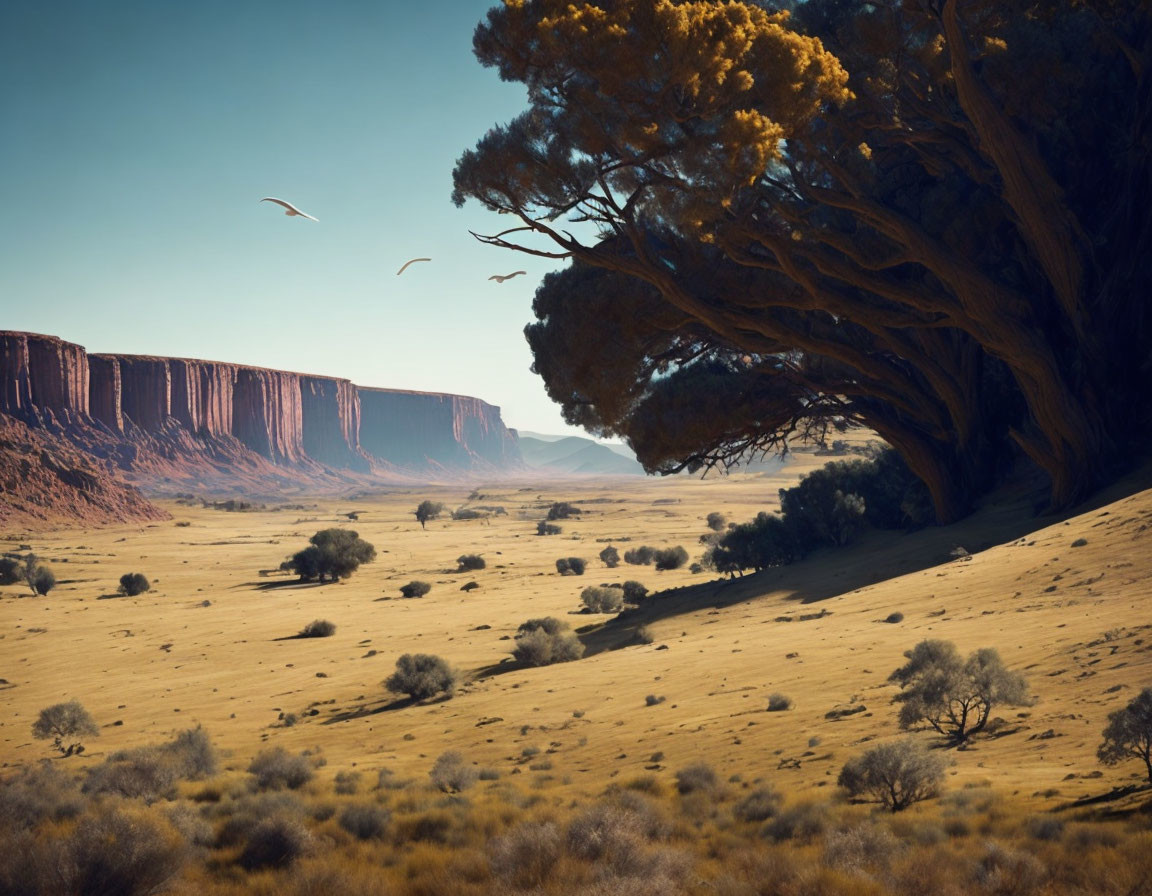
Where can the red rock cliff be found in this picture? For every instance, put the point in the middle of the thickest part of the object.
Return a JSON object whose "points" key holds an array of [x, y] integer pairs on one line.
{"points": [[43, 375]]}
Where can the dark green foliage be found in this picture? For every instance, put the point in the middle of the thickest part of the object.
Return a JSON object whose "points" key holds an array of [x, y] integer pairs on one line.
{"points": [[634, 592], [610, 557], [893, 618], [670, 558], [133, 583], [544, 528], [415, 588], [763, 543], [428, 510], [10, 571], [541, 642], [894, 775], [1128, 734], [570, 566], [641, 556], [562, 510], [277, 769], [65, 723], [779, 703], [333, 554], [421, 675], [603, 600], [954, 695], [318, 628], [468, 562]]}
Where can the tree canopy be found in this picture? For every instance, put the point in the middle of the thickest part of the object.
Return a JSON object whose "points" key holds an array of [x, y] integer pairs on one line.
{"points": [[333, 554], [924, 217]]}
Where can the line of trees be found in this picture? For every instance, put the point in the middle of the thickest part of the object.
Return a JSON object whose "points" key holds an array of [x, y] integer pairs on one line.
{"points": [[927, 218]]}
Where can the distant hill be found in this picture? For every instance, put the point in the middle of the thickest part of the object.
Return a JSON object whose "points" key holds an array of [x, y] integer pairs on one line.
{"points": [[573, 455]]}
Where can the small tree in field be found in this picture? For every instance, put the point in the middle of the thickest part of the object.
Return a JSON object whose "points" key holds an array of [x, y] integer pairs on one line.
{"points": [[469, 562], [333, 554], [610, 557], [415, 588], [38, 576], [562, 510], [66, 724], [1128, 734], [541, 642], [717, 522], [421, 675], [133, 583], [428, 510], [670, 558], [570, 566], [953, 695], [895, 775]]}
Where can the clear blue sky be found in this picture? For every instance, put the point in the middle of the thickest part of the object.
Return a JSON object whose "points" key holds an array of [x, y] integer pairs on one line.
{"points": [[137, 138]]}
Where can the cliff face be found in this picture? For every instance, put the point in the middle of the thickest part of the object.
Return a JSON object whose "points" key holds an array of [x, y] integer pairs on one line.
{"points": [[205, 424]]}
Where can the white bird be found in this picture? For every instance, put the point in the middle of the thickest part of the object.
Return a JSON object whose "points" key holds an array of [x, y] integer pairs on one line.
{"points": [[291, 209], [500, 278], [408, 262]]}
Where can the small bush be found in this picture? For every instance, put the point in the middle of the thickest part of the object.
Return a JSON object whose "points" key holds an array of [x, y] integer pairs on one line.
{"points": [[451, 773], [318, 628], [778, 703], [570, 566], [759, 805], [541, 642], [42, 580], [894, 775], [803, 822], [365, 821], [468, 562], [127, 853], [469, 586], [346, 783], [428, 510], [670, 558], [543, 528], [653, 700], [10, 571], [699, 777], [133, 583], [717, 522], [603, 600], [39, 793], [415, 589], [277, 769], [422, 675], [644, 635], [641, 556], [145, 773], [894, 617], [562, 510], [610, 557], [527, 855], [276, 843], [634, 592], [193, 754], [66, 724]]}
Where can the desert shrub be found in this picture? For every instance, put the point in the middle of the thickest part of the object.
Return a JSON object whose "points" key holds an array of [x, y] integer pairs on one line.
{"points": [[760, 805], [276, 769], [763, 543], [802, 822], [644, 635], [332, 554], [610, 557], [526, 856], [451, 773], [699, 777], [717, 522], [471, 513], [42, 580], [117, 851], [318, 628], [896, 775], [610, 835], [1045, 827], [562, 510], [543, 528], [193, 754], [469, 586], [10, 571], [541, 642], [365, 821], [65, 723], [38, 793], [670, 558], [653, 700], [422, 675], [1128, 734], [146, 773], [894, 617], [953, 695], [346, 783], [1002, 869], [634, 592], [641, 556], [603, 600], [191, 824], [276, 843], [428, 510], [779, 703], [133, 583], [570, 566], [415, 589], [860, 847], [467, 562]]}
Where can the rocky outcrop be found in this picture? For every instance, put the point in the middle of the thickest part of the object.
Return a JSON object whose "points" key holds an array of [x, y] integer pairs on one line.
{"points": [[171, 423]]}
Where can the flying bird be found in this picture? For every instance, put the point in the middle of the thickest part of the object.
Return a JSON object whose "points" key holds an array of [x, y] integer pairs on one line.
{"points": [[500, 278], [291, 209], [408, 262]]}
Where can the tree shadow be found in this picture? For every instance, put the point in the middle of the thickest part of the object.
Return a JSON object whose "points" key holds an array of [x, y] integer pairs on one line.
{"points": [[1114, 795], [272, 586], [377, 709]]}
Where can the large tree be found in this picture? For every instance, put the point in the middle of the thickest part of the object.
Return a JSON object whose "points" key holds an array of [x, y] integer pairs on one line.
{"points": [[921, 216]]}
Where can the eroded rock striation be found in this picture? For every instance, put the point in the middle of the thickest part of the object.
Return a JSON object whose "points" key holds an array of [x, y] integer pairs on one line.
{"points": [[180, 423]]}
